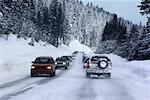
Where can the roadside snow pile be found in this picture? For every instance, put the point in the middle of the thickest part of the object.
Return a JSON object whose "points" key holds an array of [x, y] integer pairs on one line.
{"points": [[77, 46], [1, 15], [16, 55], [140, 70], [135, 70]]}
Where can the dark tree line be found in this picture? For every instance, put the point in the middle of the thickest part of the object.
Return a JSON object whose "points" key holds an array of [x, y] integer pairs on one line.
{"points": [[133, 45], [114, 30], [27, 18]]}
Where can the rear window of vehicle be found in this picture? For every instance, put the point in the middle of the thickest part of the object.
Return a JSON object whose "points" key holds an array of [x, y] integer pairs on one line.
{"points": [[97, 58], [86, 60], [44, 61], [60, 59], [65, 57]]}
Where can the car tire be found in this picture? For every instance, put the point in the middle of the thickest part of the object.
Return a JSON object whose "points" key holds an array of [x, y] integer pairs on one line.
{"points": [[108, 75], [66, 67], [87, 75], [54, 73], [99, 64], [50, 75], [32, 75], [68, 63]]}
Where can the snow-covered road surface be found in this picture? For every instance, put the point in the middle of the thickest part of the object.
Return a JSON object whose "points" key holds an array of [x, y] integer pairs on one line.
{"points": [[72, 84]]}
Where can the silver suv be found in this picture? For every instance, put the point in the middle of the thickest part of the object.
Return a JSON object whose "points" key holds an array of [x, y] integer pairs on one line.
{"points": [[99, 65]]}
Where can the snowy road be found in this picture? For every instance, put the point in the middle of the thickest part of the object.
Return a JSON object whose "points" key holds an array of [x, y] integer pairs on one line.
{"points": [[73, 85]]}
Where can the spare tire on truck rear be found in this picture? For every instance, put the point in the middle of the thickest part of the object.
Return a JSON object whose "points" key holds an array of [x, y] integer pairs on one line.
{"points": [[102, 64]]}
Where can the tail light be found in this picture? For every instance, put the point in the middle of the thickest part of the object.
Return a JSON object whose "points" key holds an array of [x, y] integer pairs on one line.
{"points": [[88, 65], [85, 64], [93, 62]]}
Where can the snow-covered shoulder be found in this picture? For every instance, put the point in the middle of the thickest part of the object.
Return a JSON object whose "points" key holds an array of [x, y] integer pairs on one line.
{"points": [[16, 54]]}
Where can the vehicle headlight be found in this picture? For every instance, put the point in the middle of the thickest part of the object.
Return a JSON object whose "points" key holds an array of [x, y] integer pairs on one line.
{"points": [[32, 67], [49, 67], [55, 63], [64, 63]]}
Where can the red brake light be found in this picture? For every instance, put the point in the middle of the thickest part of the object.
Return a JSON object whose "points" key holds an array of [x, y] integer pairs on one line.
{"points": [[93, 62]]}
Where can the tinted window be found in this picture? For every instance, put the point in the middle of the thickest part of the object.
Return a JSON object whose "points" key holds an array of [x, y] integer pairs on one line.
{"points": [[44, 60], [96, 58], [60, 59], [65, 57], [86, 60]]}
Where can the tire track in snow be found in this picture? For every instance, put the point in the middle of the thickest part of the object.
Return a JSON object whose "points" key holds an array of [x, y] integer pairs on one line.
{"points": [[87, 91], [9, 84], [29, 86]]}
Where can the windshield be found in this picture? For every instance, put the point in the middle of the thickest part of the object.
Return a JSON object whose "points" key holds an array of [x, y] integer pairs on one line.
{"points": [[65, 57], [60, 59], [44, 61]]}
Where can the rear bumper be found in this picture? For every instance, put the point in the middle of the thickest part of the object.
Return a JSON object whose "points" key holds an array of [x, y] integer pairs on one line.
{"points": [[34, 71], [98, 71]]}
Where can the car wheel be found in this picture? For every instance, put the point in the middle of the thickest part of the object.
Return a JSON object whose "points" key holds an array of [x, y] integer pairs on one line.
{"points": [[66, 67], [50, 75], [56, 68], [87, 75], [108, 75], [32, 75], [102, 64], [54, 73]]}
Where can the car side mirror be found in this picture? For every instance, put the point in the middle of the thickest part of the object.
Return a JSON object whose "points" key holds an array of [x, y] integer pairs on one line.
{"points": [[32, 62]]}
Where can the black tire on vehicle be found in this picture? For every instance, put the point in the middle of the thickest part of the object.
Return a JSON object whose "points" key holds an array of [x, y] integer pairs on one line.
{"points": [[99, 64], [50, 75], [68, 64], [54, 73], [87, 75], [66, 67], [32, 75], [108, 75]]}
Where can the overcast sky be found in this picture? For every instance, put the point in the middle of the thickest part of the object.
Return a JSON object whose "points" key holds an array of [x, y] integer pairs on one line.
{"points": [[123, 8]]}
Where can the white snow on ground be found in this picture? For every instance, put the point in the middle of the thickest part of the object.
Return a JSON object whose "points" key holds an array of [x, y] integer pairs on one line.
{"points": [[1, 15], [130, 80], [16, 55], [77, 46], [135, 73]]}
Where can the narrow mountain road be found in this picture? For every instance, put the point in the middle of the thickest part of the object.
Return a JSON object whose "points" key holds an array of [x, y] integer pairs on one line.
{"points": [[70, 84]]}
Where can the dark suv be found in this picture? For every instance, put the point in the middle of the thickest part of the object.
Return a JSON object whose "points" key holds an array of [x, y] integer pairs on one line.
{"points": [[43, 65], [62, 62]]}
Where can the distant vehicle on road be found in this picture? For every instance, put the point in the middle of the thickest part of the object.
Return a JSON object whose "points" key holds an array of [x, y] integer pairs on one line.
{"points": [[43, 65], [99, 65], [68, 58], [62, 62], [74, 53]]}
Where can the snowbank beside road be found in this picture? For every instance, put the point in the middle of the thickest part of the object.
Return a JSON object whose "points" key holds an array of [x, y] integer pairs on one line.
{"points": [[77, 46], [135, 70], [16, 55]]}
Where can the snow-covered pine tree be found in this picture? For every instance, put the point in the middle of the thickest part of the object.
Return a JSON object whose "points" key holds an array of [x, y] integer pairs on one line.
{"points": [[142, 49]]}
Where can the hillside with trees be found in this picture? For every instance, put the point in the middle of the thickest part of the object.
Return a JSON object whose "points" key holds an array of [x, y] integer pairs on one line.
{"points": [[133, 44], [58, 22]]}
